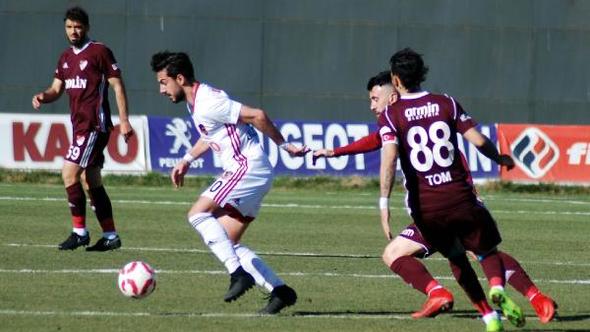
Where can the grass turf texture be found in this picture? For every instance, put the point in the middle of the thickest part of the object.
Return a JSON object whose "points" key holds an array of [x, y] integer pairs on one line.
{"points": [[322, 236]]}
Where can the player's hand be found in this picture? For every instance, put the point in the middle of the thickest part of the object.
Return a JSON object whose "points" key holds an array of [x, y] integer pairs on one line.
{"points": [[385, 215], [321, 153], [296, 151], [126, 130], [37, 100], [507, 161], [177, 174]]}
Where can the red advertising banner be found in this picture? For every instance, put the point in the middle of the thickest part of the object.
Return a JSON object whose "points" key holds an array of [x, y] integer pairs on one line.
{"points": [[39, 141], [546, 153]]}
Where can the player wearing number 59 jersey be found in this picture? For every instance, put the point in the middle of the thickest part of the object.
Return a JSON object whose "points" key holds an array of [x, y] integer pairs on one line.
{"points": [[85, 71], [421, 128]]}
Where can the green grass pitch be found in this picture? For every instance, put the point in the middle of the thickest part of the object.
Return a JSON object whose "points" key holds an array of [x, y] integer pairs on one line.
{"points": [[326, 244]]}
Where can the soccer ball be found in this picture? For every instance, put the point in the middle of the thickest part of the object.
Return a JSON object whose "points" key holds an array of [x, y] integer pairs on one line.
{"points": [[137, 279]]}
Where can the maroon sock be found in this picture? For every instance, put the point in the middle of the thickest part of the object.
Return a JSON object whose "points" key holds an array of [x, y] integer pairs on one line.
{"points": [[467, 279], [413, 272], [102, 208], [493, 269], [77, 203], [516, 275]]}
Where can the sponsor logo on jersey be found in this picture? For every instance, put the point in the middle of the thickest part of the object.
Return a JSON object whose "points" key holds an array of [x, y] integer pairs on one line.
{"points": [[407, 232], [179, 129], [76, 83], [83, 64], [65, 65], [426, 111], [534, 152], [115, 66]]}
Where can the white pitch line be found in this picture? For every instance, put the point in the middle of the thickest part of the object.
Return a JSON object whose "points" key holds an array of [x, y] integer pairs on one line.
{"points": [[299, 206], [291, 274], [10, 312], [291, 254]]}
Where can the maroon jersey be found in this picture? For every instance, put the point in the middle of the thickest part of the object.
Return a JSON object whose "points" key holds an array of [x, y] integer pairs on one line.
{"points": [[425, 127], [85, 73]]}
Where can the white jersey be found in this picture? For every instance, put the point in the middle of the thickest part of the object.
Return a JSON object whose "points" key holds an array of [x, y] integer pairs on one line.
{"points": [[216, 117]]}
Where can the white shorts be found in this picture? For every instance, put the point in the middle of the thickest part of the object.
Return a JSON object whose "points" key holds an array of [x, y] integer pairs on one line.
{"points": [[242, 189]]}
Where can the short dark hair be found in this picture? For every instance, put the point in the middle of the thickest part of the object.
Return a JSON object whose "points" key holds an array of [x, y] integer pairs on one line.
{"points": [[174, 63], [383, 78], [77, 14], [409, 67]]}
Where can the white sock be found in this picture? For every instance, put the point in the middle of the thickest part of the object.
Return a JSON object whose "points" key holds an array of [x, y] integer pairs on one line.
{"points": [[262, 273], [109, 235], [497, 287], [216, 239], [487, 317], [80, 231]]}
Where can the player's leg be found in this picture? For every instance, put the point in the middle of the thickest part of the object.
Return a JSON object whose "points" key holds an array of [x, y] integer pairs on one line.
{"points": [[101, 204], [441, 230], [215, 237], [467, 279], [240, 208], [90, 157], [281, 295], [482, 238], [400, 256], [77, 202], [516, 276]]}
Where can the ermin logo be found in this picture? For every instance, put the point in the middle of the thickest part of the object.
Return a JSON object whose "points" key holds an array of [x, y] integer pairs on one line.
{"points": [[534, 152]]}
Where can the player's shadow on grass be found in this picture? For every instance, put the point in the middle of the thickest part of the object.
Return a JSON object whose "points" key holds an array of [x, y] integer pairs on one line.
{"points": [[551, 327], [345, 313]]}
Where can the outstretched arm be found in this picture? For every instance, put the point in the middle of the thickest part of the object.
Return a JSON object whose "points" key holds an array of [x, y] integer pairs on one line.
{"points": [[368, 143], [261, 121], [487, 148], [50, 95]]}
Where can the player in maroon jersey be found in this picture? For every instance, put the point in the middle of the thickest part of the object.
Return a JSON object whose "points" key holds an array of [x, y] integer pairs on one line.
{"points": [[409, 243], [84, 71], [421, 128]]}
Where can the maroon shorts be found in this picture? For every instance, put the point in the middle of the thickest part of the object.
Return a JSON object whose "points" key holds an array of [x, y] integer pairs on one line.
{"points": [[468, 226], [412, 233], [87, 149]]}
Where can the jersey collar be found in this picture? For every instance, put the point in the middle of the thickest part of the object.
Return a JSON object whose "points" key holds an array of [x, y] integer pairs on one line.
{"points": [[415, 95], [191, 110], [79, 50]]}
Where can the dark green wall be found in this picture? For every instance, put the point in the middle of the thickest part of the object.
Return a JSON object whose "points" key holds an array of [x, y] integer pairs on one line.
{"points": [[504, 60]]}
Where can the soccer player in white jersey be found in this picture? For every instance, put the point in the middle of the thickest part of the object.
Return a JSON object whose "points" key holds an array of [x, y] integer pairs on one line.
{"points": [[224, 211]]}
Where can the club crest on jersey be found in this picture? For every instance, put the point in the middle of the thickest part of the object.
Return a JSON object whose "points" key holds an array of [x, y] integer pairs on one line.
{"points": [[80, 139], [534, 152], [83, 64], [203, 130], [65, 65]]}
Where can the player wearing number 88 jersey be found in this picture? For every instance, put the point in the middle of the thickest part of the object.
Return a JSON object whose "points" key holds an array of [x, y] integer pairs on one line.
{"points": [[421, 128], [429, 155]]}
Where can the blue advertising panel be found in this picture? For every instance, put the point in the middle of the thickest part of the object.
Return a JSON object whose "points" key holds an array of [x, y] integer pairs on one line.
{"points": [[170, 138]]}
